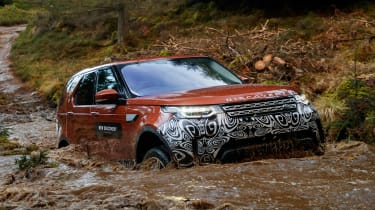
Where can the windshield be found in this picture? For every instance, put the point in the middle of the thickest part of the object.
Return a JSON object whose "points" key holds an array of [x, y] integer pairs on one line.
{"points": [[169, 75]]}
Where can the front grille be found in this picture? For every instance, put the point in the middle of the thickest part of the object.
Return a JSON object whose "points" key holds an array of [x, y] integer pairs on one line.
{"points": [[259, 108], [268, 146]]}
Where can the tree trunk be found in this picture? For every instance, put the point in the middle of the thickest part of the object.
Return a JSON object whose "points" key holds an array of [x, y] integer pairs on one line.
{"points": [[122, 23]]}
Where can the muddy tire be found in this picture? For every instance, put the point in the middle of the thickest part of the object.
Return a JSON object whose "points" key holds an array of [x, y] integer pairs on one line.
{"points": [[155, 159], [319, 149], [319, 145], [62, 142]]}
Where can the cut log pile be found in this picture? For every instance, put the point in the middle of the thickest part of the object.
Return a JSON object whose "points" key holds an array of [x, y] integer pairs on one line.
{"points": [[267, 54], [259, 54]]}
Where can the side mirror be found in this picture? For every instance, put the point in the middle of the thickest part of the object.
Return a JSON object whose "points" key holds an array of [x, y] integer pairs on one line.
{"points": [[107, 96]]}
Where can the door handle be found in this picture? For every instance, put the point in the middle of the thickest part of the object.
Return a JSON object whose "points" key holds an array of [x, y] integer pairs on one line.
{"points": [[94, 113], [70, 113]]}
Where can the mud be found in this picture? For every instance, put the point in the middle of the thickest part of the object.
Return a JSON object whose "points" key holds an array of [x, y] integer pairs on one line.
{"points": [[343, 178]]}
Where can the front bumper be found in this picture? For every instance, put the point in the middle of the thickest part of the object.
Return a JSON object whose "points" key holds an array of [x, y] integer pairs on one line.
{"points": [[210, 140]]}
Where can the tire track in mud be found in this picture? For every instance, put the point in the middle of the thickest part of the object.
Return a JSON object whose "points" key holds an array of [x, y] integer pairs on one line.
{"points": [[343, 178]]}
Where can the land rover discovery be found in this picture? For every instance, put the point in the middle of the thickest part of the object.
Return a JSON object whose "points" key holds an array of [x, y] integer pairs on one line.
{"points": [[183, 110]]}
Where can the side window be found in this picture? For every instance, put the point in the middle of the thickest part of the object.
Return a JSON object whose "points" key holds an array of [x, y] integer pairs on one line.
{"points": [[69, 87], [106, 80], [72, 84], [86, 90]]}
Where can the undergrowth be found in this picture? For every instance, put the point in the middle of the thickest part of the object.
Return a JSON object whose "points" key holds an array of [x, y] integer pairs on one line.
{"points": [[358, 121], [349, 112], [11, 15], [7, 147], [27, 162]]}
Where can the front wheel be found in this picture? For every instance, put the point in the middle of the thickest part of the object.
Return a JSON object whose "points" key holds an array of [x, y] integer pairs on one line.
{"points": [[319, 149], [155, 158]]}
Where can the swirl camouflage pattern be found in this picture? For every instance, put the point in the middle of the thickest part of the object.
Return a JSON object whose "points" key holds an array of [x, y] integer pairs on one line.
{"points": [[211, 134]]}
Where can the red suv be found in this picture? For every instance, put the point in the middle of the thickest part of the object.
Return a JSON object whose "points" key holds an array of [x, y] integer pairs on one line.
{"points": [[182, 109]]}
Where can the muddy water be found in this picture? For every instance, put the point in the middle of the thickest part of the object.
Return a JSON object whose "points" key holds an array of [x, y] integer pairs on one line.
{"points": [[343, 178]]}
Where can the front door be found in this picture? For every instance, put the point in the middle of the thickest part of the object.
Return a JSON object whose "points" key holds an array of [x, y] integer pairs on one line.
{"points": [[109, 119]]}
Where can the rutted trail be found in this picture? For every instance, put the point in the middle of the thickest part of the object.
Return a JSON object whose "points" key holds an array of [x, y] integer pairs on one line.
{"points": [[343, 178], [7, 36], [23, 113]]}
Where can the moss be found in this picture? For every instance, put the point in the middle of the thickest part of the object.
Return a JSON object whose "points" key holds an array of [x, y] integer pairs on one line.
{"points": [[272, 82], [165, 52], [52, 165]]}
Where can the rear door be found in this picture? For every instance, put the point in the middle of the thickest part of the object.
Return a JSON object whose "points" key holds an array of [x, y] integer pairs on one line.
{"points": [[79, 116], [64, 107]]}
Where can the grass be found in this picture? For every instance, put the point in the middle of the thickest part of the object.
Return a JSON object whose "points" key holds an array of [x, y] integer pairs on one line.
{"points": [[53, 48], [11, 15], [330, 108], [32, 161], [7, 147], [49, 59], [13, 148]]}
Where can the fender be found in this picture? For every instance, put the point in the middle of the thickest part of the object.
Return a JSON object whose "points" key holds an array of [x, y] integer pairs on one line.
{"points": [[152, 130]]}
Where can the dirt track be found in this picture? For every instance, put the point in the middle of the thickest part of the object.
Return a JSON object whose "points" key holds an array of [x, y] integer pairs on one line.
{"points": [[29, 121], [343, 178]]}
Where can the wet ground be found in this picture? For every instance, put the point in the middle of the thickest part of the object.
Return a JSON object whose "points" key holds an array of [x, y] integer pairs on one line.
{"points": [[343, 178]]}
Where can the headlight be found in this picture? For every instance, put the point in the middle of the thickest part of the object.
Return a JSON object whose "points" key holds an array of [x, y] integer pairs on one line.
{"points": [[192, 111], [302, 99]]}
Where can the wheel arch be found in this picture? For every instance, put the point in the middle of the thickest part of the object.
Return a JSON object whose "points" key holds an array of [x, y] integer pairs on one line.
{"points": [[63, 142], [149, 138]]}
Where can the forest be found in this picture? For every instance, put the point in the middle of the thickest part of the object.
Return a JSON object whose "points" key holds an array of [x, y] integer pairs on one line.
{"points": [[326, 49]]}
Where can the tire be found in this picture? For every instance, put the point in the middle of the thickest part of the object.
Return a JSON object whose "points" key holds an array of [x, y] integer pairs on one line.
{"points": [[156, 158], [62, 142], [319, 149]]}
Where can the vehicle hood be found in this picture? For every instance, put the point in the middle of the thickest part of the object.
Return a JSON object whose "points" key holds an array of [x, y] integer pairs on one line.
{"points": [[216, 95]]}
